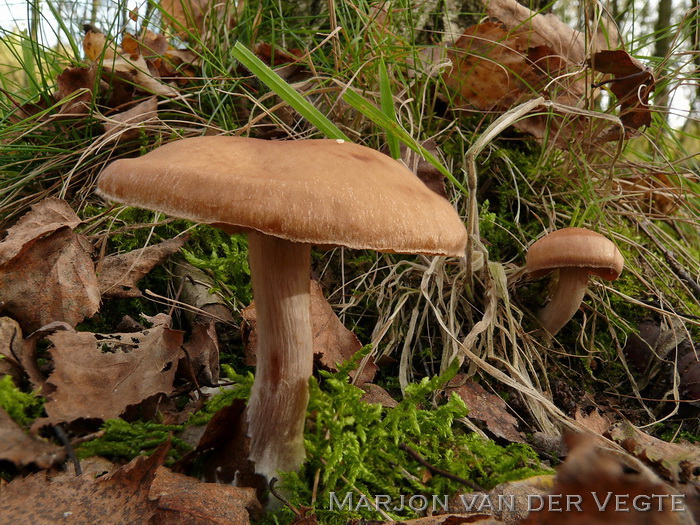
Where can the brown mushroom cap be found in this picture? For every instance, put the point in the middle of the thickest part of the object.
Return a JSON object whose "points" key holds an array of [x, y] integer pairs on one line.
{"points": [[575, 248], [310, 191]]}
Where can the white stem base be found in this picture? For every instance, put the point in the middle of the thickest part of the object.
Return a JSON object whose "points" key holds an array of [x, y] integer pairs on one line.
{"points": [[567, 298], [277, 408]]}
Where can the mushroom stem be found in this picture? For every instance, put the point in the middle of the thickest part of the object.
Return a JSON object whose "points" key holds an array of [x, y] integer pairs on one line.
{"points": [[567, 298], [277, 408]]}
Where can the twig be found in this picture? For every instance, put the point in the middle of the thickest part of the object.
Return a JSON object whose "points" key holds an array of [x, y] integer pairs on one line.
{"points": [[435, 470], [63, 438]]}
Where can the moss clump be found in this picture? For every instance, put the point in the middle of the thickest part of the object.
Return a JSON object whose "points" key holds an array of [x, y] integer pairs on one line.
{"points": [[22, 407], [124, 441], [356, 446]]}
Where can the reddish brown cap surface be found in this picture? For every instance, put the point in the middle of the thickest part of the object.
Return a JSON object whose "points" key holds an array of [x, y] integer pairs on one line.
{"points": [[577, 248], [312, 191]]}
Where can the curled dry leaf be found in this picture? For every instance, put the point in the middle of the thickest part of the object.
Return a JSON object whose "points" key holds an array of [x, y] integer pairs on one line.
{"points": [[202, 347], [674, 461], [45, 217], [519, 492], [126, 123], [603, 482], [20, 449], [99, 376], [46, 273], [119, 274], [632, 83], [119, 497], [119, 61], [182, 499], [76, 85], [595, 422], [10, 349], [486, 407]]}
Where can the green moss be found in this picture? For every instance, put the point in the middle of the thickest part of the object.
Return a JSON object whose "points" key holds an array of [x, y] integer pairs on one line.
{"points": [[124, 441], [356, 446], [23, 408]]}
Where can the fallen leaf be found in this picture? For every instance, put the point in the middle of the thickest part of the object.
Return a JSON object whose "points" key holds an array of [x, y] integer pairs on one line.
{"points": [[486, 407], [53, 279], [45, 217], [119, 274], [520, 493], [376, 394], [21, 449], [674, 461], [207, 309], [126, 123], [72, 80], [99, 376], [223, 450], [333, 344], [10, 349], [183, 500], [201, 360], [589, 475], [119, 497], [95, 46], [185, 16], [595, 422], [632, 83], [495, 68]]}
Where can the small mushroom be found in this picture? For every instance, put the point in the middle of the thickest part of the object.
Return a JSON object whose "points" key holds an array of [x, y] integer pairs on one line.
{"points": [[287, 195], [576, 253]]}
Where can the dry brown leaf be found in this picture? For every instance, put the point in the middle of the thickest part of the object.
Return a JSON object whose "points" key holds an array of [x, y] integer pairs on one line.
{"points": [[21, 449], [548, 29], [595, 422], [223, 450], [674, 461], [45, 217], [70, 81], [120, 497], [99, 376], [601, 483], [125, 123], [632, 84], [95, 44], [486, 407], [53, 280], [201, 359], [333, 344], [495, 69], [186, 500], [376, 394], [120, 273], [10, 349], [185, 16], [519, 492]]}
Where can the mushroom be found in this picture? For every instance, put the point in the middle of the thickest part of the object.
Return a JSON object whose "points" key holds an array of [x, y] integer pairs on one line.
{"points": [[287, 195], [576, 253]]}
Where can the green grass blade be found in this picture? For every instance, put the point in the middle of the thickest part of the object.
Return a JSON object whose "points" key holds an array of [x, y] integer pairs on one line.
{"points": [[286, 92], [387, 102], [376, 115]]}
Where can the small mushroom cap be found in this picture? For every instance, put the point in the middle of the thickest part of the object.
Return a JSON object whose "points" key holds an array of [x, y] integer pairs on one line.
{"points": [[326, 192], [575, 248]]}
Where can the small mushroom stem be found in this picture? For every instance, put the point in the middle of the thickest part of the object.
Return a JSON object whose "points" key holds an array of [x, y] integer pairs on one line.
{"points": [[277, 408], [567, 298]]}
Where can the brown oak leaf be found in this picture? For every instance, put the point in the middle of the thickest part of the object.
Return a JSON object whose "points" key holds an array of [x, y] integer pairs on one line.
{"points": [[99, 376], [119, 274], [119, 497], [21, 449]]}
